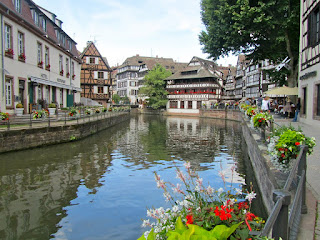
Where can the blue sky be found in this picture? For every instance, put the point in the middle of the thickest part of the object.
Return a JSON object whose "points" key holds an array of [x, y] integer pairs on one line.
{"points": [[124, 28]]}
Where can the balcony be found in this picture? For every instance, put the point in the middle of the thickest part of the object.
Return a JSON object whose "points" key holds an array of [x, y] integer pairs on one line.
{"points": [[194, 85], [198, 97]]}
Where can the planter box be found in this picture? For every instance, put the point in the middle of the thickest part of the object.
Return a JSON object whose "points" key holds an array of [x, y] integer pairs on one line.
{"points": [[19, 111], [52, 111]]}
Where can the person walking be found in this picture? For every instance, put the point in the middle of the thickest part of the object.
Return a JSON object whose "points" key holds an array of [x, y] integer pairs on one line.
{"points": [[265, 106], [259, 102], [298, 106]]}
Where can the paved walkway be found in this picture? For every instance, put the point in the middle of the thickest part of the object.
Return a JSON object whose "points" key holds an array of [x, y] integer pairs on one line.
{"points": [[310, 225]]}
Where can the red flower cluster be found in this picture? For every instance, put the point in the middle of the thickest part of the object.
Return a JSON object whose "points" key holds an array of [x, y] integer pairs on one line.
{"points": [[189, 219], [224, 213], [297, 143]]}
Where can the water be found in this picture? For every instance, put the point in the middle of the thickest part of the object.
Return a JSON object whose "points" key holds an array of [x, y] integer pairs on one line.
{"points": [[101, 186]]}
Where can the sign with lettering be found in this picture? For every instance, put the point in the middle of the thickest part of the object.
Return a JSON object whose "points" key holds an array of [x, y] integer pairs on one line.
{"points": [[308, 75], [44, 76], [61, 80]]}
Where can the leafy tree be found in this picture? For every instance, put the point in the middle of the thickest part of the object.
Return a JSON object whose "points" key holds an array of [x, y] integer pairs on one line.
{"points": [[154, 87], [261, 29], [116, 98]]}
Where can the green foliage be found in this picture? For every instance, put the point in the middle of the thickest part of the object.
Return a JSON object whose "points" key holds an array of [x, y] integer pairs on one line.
{"points": [[4, 116], [154, 87], [262, 119], [19, 105], [193, 232], [260, 29], [251, 111], [116, 98], [52, 105]]}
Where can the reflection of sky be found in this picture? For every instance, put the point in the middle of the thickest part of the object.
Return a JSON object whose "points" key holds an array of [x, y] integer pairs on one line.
{"points": [[128, 187]]}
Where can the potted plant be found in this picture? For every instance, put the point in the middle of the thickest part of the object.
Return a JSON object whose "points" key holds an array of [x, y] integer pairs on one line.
{"points": [[73, 112], [52, 108], [22, 57], [19, 109], [4, 116]]}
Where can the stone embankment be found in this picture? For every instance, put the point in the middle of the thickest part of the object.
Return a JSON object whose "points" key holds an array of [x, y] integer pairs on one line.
{"points": [[24, 137]]}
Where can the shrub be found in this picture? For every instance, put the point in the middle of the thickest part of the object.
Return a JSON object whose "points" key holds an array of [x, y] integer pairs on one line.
{"points": [[52, 105], [19, 105]]}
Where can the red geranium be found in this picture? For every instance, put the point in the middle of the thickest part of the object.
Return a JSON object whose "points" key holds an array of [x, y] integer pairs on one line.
{"points": [[189, 219]]}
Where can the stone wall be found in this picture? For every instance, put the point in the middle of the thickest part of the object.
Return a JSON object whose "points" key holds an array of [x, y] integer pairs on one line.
{"points": [[34, 137], [229, 114]]}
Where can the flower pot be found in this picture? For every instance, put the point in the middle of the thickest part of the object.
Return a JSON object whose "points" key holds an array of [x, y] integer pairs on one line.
{"points": [[52, 111], [19, 111]]}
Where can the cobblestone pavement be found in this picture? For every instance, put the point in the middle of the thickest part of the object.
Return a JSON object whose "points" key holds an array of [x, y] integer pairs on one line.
{"points": [[310, 224]]}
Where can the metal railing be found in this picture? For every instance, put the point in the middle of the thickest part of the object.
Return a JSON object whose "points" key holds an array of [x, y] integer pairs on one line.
{"points": [[284, 219], [62, 118]]}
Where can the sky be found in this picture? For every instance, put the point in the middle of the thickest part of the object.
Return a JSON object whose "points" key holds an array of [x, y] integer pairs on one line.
{"points": [[124, 28]]}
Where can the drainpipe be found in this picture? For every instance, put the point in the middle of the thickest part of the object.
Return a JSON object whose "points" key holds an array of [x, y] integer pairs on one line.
{"points": [[2, 59]]}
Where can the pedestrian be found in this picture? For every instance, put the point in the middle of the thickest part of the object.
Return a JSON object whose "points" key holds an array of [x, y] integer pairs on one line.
{"points": [[287, 109], [259, 102], [298, 106], [265, 105]]}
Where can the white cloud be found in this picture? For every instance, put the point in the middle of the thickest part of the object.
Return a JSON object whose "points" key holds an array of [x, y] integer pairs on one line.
{"points": [[121, 29]]}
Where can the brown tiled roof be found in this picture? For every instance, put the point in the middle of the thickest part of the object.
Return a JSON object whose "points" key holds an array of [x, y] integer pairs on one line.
{"points": [[150, 62], [206, 69], [25, 19]]}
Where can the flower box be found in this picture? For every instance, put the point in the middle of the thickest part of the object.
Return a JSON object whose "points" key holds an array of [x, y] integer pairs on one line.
{"points": [[61, 73], [48, 67], [22, 57], [9, 53], [40, 64]]}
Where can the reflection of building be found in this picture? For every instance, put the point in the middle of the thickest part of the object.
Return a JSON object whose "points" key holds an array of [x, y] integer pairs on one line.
{"points": [[309, 83], [39, 60], [200, 83], [95, 75]]}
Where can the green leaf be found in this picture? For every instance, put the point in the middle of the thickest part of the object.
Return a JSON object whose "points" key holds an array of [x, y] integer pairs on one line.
{"points": [[180, 227]]}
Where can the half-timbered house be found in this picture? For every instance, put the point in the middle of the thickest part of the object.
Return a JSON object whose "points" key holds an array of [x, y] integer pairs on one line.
{"points": [[195, 86], [95, 76]]}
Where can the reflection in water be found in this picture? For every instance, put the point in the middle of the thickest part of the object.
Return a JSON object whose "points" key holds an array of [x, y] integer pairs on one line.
{"points": [[99, 187]]}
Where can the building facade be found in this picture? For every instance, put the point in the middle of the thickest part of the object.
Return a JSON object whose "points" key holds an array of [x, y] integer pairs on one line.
{"points": [[309, 80], [130, 75], [95, 76], [39, 61], [195, 86]]}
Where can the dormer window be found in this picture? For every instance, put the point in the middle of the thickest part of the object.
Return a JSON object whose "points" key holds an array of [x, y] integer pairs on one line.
{"points": [[36, 18], [17, 5], [44, 24]]}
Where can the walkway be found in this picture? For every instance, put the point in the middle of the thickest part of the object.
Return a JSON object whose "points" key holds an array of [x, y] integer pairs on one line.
{"points": [[310, 225]]}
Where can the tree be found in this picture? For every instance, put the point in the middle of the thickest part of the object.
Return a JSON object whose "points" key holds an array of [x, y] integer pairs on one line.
{"points": [[261, 29], [116, 98], [155, 87]]}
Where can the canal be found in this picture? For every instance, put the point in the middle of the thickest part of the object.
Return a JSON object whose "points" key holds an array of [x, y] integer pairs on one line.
{"points": [[100, 187]]}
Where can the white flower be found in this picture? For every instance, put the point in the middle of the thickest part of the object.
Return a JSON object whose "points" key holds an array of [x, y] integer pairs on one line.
{"points": [[220, 190], [199, 181], [181, 176], [175, 208], [238, 191], [160, 184], [251, 196], [167, 196], [145, 223], [210, 190], [187, 165]]}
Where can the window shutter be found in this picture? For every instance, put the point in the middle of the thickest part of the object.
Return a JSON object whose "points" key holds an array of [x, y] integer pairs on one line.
{"points": [[95, 89], [105, 75], [88, 60], [95, 74], [96, 61], [105, 89]]}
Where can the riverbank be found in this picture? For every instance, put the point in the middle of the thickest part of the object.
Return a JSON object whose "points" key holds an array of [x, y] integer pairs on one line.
{"points": [[40, 134]]}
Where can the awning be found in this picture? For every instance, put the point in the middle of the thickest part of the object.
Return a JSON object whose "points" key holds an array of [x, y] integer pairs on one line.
{"points": [[55, 84]]}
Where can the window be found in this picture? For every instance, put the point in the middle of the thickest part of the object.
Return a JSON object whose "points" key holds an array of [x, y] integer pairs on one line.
{"points": [[173, 104], [39, 53], [36, 18], [67, 65], [60, 64], [314, 27], [190, 104], [46, 57], [182, 104], [318, 100], [39, 92], [20, 44], [92, 60], [17, 5], [8, 92], [101, 75], [44, 24], [61, 96], [72, 70], [70, 45], [304, 101], [100, 89], [7, 37]]}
